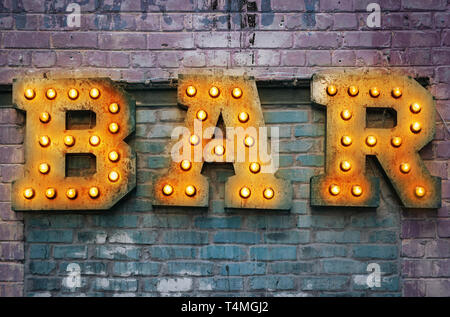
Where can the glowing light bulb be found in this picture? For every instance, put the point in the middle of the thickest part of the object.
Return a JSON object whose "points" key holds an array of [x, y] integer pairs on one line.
{"points": [[114, 107], [346, 140], [371, 140], [237, 93], [353, 91], [255, 167], [405, 168], [94, 93], [249, 141], [28, 193], [374, 92], [268, 193], [334, 189], [73, 93], [191, 91], [44, 141], [69, 140], [419, 191], [71, 193], [396, 141], [243, 117], [214, 92], [356, 190], [167, 190], [113, 176], [29, 93], [345, 166], [44, 168], [51, 93], [194, 139], [331, 90], [113, 156], [219, 150], [415, 108], [346, 114], [50, 193], [202, 115], [245, 192], [94, 140], [185, 165], [113, 127], [190, 190], [396, 92], [44, 117], [94, 192], [416, 127]]}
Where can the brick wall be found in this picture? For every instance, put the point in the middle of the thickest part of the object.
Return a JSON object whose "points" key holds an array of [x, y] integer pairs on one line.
{"points": [[137, 249]]}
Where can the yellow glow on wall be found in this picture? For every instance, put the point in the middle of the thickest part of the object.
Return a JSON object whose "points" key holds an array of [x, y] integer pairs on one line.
{"points": [[51, 93], [114, 107], [73, 93], [50, 193], [69, 140], [29, 93], [94, 140], [44, 117]]}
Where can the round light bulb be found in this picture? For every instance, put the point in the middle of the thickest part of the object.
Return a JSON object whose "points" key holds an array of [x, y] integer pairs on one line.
{"points": [[419, 191], [346, 140], [245, 192], [416, 127], [51, 93], [94, 192], [44, 141], [190, 190], [194, 139], [71, 193], [249, 141], [346, 114], [202, 115], [255, 167], [353, 91], [268, 193], [334, 189], [214, 92], [185, 165], [44, 168], [44, 117], [345, 166], [371, 140], [28, 193], [331, 90], [113, 156], [94, 140], [243, 117], [405, 168], [219, 150], [415, 108], [50, 193], [73, 93], [191, 91], [94, 93], [69, 140], [396, 141], [396, 92], [374, 92], [167, 190], [356, 190], [113, 127], [29, 93], [113, 176], [237, 93], [114, 107]]}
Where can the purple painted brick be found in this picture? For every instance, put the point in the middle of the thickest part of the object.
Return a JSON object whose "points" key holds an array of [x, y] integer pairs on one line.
{"points": [[438, 249], [421, 20], [424, 5], [419, 56], [318, 58], [426, 268], [11, 251], [291, 5], [269, 40], [148, 22], [391, 5], [217, 39], [11, 272], [122, 41], [267, 58], [7, 214], [11, 231], [158, 41], [11, 116], [218, 58], [413, 248], [11, 135], [438, 288], [414, 288], [74, 40], [293, 58], [143, 59], [415, 39], [443, 74], [194, 59], [172, 22], [418, 229], [96, 58], [395, 21], [243, 58], [316, 40], [6, 22], [11, 289], [168, 59], [441, 56], [26, 40], [11, 154], [68, 58], [119, 59], [179, 5], [367, 39], [44, 59], [344, 58], [336, 5], [345, 21], [442, 19], [443, 148], [368, 58], [443, 228], [19, 58]]}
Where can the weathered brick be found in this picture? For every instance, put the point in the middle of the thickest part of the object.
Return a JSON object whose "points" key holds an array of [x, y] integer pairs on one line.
{"points": [[218, 223], [124, 41], [223, 252], [269, 40], [26, 40], [415, 39], [322, 251], [158, 41], [127, 269], [375, 251], [166, 253], [325, 283], [42, 267], [11, 272], [272, 283], [185, 237], [418, 229], [11, 251], [346, 236], [320, 221], [220, 284], [118, 285], [239, 237], [120, 221], [243, 268], [367, 39], [70, 252], [133, 237], [74, 40], [316, 40], [296, 175], [292, 267], [273, 253], [118, 252], [287, 237], [190, 268], [165, 221]]}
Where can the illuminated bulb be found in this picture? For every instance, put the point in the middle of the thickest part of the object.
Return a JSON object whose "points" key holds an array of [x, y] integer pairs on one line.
{"points": [[113, 156], [28, 193], [255, 167], [416, 127], [249, 141], [185, 165], [94, 192], [94, 93], [396, 141], [334, 190], [113, 176], [243, 117], [346, 140], [420, 191], [396, 92], [73, 93], [113, 127], [405, 168], [69, 140], [331, 90], [356, 190], [268, 193], [114, 108], [71, 193], [353, 91], [50, 193], [44, 140], [191, 91], [374, 92], [44, 117], [190, 190], [245, 192], [219, 150], [194, 139], [202, 115], [345, 166], [51, 93], [44, 168], [167, 190], [237, 93], [94, 140], [214, 91], [29, 93], [415, 108], [371, 140], [346, 114]]}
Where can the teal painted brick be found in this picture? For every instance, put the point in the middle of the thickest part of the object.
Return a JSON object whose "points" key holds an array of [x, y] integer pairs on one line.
{"points": [[303, 191], [56, 221], [70, 252], [241, 237], [243, 268], [383, 236], [166, 285], [327, 283], [296, 175], [150, 147], [292, 267], [223, 252], [44, 284], [296, 146], [272, 283], [117, 252], [305, 130], [375, 251], [283, 131], [190, 268], [115, 284], [371, 220], [158, 162], [150, 285], [218, 223], [136, 268], [343, 266], [322, 251], [311, 160], [285, 116], [87, 268], [166, 221], [287, 237], [221, 284], [49, 236], [42, 267], [299, 207], [321, 221], [388, 283], [115, 221], [185, 237], [144, 191], [92, 237], [160, 131], [338, 236], [142, 131], [39, 251], [342, 294], [218, 206], [271, 222], [172, 115], [134, 236], [165, 253], [285, 160], [273, 253], [318, 115], [145, 116]]}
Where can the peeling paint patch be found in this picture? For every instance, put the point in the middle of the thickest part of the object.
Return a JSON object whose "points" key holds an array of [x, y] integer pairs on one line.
{"points": [[174, 285]]}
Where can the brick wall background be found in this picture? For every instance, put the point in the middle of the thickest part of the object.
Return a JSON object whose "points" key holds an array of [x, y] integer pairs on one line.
{"points": [[135, 249]]}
